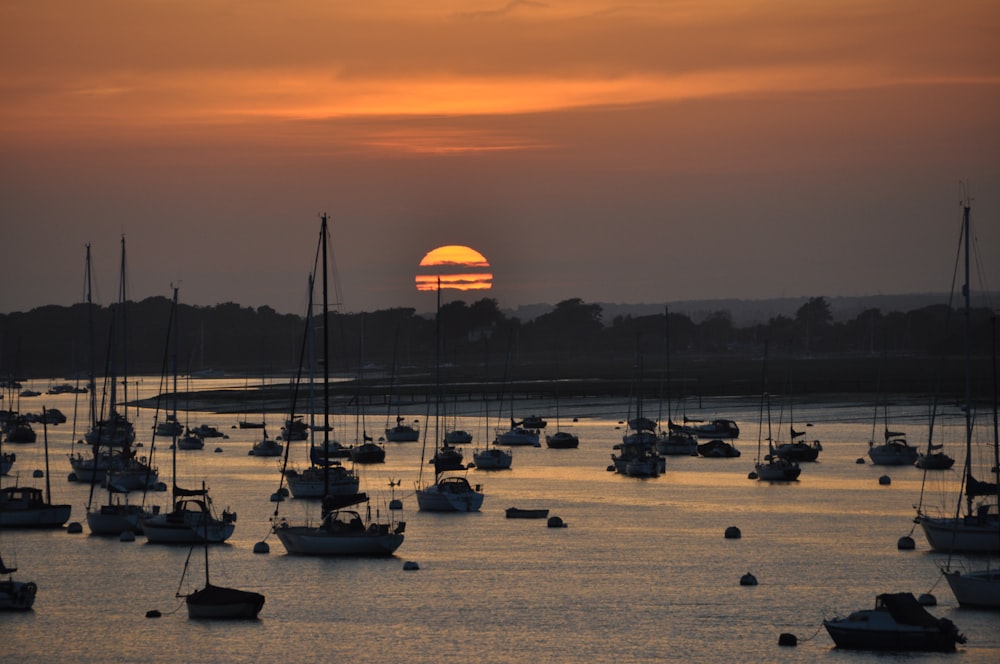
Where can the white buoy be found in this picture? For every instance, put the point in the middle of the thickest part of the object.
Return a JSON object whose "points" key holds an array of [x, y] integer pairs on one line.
{"points": [[905, 543], [276, 497], [748, 579], [732, 532], [395, 504], [38, 473], [752, 475], [885, 480], [927, 599], [410, 566], [261, 547], [218, 450], [74, 527]]}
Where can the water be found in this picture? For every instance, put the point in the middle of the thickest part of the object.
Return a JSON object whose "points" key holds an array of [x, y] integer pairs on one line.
{"points": [[642, 572]]}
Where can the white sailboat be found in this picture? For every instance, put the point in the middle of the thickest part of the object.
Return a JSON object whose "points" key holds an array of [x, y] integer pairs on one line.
{"points": [[340, 532], [192, 517], [447, 493], [976, 526], [770, 467]]}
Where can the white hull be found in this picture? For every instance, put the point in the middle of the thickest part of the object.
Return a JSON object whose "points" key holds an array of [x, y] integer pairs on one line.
{"points": [[492, 459], [309, 483], [113, 521], [309, 541], [186, 527], [976, 589], [965, 534], [893, 455], [443, 497], [516, 437]]}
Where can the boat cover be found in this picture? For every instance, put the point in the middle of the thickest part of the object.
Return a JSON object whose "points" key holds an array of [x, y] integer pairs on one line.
{"points": [[906, 610]]}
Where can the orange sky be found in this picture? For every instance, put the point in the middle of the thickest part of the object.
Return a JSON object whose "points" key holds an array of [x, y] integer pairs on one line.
{"points": [[571, 142]]}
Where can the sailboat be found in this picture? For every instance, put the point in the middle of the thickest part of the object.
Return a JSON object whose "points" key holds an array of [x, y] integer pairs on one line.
{"points": [[490, 457], [771, 468], [636, 455], [325, 477], [676, 440], [560, 439], [976, 528], [403, 431], [217, 602], [894, 450], [192, 517], [448, 493], [118, 516], [113, 459], [795, 449], [340, 532], [28, 507]]}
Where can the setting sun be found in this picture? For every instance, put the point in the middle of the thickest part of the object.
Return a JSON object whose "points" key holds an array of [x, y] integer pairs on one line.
{"points": [[455, 267]]}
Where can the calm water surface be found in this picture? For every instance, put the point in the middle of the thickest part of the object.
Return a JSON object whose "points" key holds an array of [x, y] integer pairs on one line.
{"points": [[642, 572]]}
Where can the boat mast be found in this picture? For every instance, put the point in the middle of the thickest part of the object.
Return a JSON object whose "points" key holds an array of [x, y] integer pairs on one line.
{"points": [[968, 354], [326, 367], [91, 386]]}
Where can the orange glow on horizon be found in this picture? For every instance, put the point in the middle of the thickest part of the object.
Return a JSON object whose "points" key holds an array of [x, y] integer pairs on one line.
{"points": [[451, 269]]}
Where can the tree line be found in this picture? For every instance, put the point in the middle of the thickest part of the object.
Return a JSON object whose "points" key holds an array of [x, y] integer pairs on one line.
{"points": [[476, 341]]}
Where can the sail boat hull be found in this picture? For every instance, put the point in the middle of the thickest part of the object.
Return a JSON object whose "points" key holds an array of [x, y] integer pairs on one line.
{"points": [[979, 589], [967, 534], [217, 603], [309, 541]]}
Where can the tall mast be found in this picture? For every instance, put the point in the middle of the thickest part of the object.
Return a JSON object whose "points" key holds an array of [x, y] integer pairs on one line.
{"points": [[91, 386], [968, 354], [326, 365]]}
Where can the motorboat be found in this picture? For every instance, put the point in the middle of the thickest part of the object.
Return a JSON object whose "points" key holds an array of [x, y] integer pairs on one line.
{"points": [[207, 431], [402, 432], [777, 470], [934, 459], [448, 457], [898, 622], [518, 513], [367, 452], [562, 440], [316, 481], [191, 520], [492, 458], [266, 447], [717, 428], [517, 436], [797, 450], [895, 451], [534, 422], [15, 595], [450, 494], [191, 441], [27, 507], [674, 442], [718, 449]]}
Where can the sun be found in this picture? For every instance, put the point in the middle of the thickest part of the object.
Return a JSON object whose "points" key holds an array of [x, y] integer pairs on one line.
{"points": [[454, 267]]}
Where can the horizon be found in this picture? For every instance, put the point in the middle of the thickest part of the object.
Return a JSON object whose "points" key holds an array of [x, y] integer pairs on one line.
{"points": [[653, 153]]}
